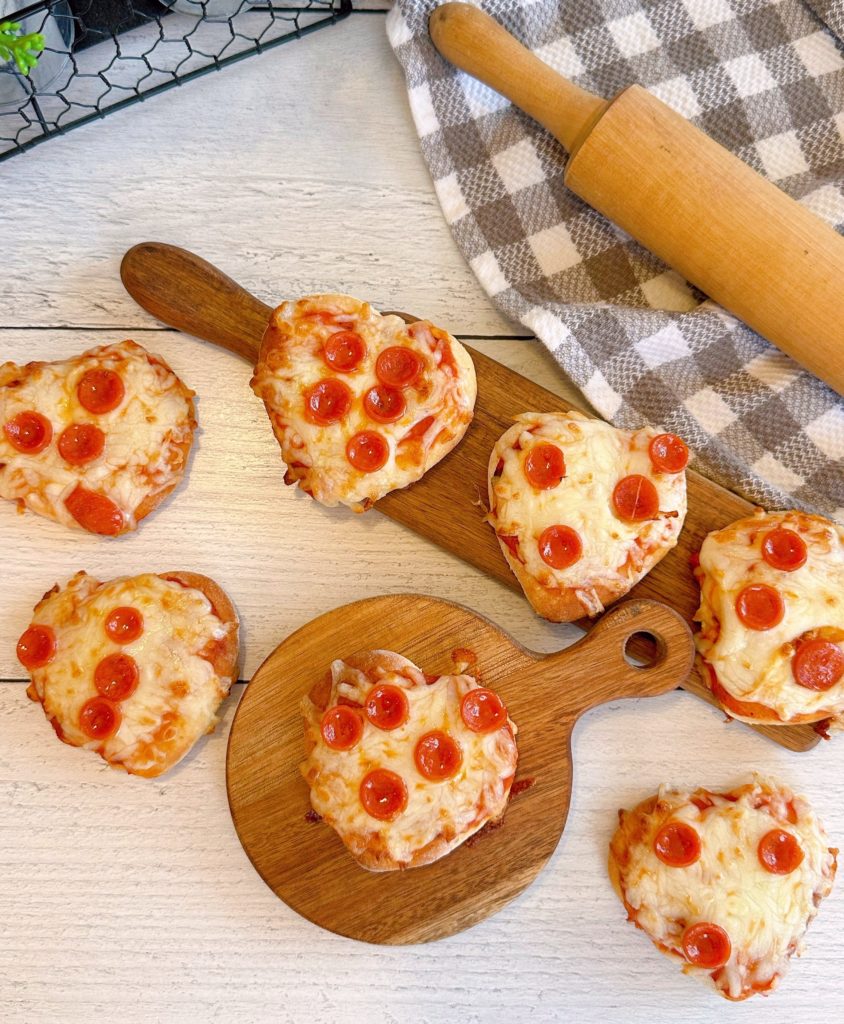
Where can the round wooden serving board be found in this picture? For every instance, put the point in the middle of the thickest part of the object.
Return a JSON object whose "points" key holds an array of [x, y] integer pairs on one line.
{"points": [[305, 863]]}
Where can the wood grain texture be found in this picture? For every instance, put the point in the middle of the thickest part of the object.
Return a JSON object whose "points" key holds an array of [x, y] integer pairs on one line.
{"points": [[132, 900], [295, 171], [723, 227], [129, 900], [447, 506], [307, 866], [273, 549]]}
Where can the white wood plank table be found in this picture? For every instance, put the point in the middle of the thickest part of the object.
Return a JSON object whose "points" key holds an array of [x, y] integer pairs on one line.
{"points": [[131, 900]]}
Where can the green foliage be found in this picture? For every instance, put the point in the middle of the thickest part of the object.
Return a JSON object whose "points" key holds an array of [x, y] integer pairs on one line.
{"points": [[22, 49]]}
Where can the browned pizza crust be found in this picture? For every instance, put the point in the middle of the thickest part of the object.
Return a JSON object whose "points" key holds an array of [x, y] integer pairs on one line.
{"points": [[753, 710], [179, 458], [178, 465], [557, 604], [632, 828], [224, 653]]}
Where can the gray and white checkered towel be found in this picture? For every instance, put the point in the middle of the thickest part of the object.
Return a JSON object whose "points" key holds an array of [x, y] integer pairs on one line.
{"points": [[763, 77]]}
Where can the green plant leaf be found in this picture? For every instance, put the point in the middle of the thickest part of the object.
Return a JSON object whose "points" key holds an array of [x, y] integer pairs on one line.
{"points": [[23, 49]]}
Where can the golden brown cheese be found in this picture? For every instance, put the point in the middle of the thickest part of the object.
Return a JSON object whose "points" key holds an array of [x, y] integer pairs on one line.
{"points": [[615, 554], [440, 815], [764, 914], [178, 690], [147, 436], [753, 668], [436, 408]]}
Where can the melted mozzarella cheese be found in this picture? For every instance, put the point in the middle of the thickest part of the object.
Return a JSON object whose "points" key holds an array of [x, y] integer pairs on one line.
{"points": [[755, 665], [144, 435], [616, 554], [765, 915], [455, 808], [291, 361], [178, 692]]}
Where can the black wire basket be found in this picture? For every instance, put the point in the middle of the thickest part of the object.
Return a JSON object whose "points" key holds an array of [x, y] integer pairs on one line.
{"points": [[101, 55]]}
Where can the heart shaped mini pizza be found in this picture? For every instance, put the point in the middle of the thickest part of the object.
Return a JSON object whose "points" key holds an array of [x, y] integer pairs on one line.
{"points": [[405, 767], [583, 511], [772, 618], [95, 442], [134, 669], [726, 882], [361, 404]]}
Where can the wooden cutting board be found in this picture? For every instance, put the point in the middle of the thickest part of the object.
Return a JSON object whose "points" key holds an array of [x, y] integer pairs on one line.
{"points": [[304, 862], [186, 292]]}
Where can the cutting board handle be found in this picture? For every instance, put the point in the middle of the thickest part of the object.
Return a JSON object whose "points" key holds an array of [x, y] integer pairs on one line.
{"points": [[596, 669], [185, 291], [477, 44]]}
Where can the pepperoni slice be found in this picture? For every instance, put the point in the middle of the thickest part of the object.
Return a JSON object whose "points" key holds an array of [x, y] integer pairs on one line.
{"points": [[560, 546], [482, 710], [99, 718], [544, 466], [669, 453], [784, 549], [80, 443], [116, 676], [818, 664], [94, 512], [383, 404], [383, 794], [779, 852], [124, 625], [759, 606], [635, 499], [29, 432], [398, 366], [36, 647], [677, 844], [706, 945], [367, 451], [341, 727], [344, 351], [327, 401], [100, 391], [438, 756], [386, 707]]}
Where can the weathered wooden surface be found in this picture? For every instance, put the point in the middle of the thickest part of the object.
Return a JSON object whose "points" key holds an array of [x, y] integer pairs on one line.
{"points": [[132, 900]]}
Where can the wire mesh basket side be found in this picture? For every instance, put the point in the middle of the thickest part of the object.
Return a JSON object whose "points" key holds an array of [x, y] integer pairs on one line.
{"points": [[102, 55]]}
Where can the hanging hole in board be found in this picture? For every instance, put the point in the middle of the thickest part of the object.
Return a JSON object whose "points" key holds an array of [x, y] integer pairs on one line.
{"points": [[643, 649]]}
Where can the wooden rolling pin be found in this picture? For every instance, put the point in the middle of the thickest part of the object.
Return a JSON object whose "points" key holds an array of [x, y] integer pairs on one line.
{"points": [[703, 211]]}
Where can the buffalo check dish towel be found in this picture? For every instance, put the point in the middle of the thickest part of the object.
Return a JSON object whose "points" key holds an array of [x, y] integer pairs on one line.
{"points": [[765, 78]]}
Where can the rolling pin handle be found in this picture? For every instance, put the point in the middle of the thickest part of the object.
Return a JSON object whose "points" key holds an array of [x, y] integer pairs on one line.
{"points": [[477, 44]]}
